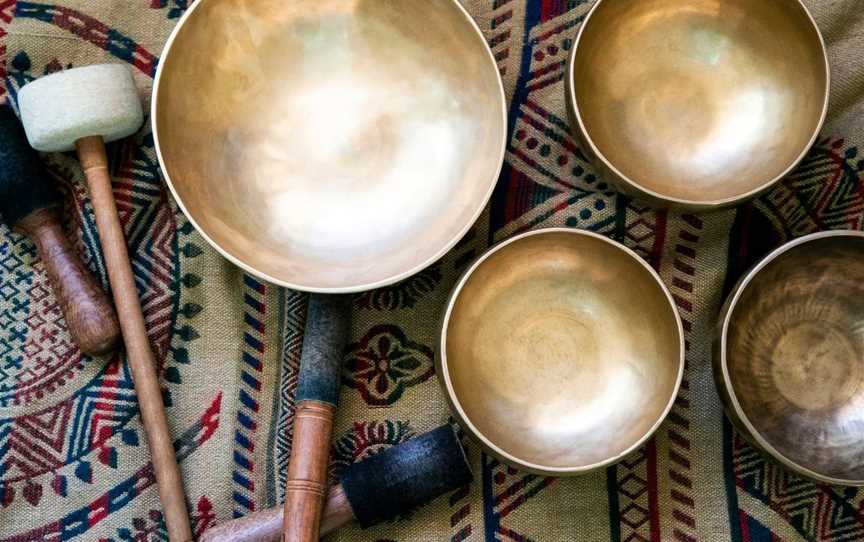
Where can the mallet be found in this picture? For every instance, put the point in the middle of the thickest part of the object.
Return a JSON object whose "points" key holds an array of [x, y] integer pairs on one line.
{"points": [[31, 206], [383, 487], [81, 109], [327, 326]]}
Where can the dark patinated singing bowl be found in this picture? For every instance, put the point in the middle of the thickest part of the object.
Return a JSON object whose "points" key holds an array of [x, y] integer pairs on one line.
{"points": [[329, 145], [790, 360], [561, 351], [697, 103]]}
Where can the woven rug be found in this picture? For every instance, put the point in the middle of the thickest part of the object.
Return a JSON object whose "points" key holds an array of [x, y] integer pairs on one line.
{"points": [[73, 461]]}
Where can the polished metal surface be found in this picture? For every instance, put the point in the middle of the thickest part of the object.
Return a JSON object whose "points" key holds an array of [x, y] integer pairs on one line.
{"points": [[330, 145], [697, 103], [560, 351], [790, 365]]}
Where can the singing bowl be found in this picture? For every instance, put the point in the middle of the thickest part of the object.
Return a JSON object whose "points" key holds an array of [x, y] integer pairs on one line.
{"points": [[329, 145], [697, 103], [790, 360], [561, 351]]}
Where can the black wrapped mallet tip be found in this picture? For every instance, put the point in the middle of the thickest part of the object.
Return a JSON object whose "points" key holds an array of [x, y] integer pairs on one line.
{"points": [[24, 184], [406, 476]]}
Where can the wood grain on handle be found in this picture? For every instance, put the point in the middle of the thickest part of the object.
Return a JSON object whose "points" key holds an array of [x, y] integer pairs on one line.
{"points": [[266, 526], [91, 152], [89, 315], [306, 482]]}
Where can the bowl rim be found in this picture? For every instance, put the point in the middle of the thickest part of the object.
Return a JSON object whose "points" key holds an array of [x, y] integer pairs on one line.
{"points": [[456, 407], [724, 368], [351, 288], [705, 204]]}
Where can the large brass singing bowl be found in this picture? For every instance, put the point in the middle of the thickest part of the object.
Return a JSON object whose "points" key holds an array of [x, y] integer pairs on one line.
{"points": [[329, 145], [561, 351], [697, 103], [790, 356]]}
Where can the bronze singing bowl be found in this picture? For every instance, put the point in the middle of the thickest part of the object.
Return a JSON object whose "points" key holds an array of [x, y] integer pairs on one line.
{"points": [[790, 359], [697, 103], [561, 351], [329, 145]]}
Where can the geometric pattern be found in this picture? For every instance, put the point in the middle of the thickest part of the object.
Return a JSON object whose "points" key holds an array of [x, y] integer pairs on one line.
{"points": [[291, 337], [254, 301], [679, 426], [634, 501], [816, 511], [78, 521], [506, 490], [384, 363], [823, 193]]}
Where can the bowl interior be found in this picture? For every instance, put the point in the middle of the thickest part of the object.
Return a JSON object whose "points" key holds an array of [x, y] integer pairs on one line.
{"points": [[563, 351], [700, 100], [330, 144], [795, 355]]}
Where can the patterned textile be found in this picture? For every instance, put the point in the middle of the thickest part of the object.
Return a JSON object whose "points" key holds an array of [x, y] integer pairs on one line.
{"points": [[74, 465]]}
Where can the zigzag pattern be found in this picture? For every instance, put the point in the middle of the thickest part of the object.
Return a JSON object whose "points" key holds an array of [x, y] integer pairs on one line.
{"points": [[292, 345], [255, 308], [506, 490], [817, 511], [79, 521], [40, 443], [824, 192], [151, 233], [678, 428]]}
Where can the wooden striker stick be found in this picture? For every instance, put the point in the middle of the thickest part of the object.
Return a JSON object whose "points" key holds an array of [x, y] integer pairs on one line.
{"points": [[91, 152], [266, 526]]}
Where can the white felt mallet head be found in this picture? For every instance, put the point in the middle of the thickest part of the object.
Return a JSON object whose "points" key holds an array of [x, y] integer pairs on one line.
{"points": [[61, 108]]}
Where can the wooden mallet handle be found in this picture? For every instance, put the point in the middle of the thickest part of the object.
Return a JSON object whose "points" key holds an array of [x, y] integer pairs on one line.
{"points": [[306, 484], [91, 152], [266, 526], [89, 315], [327, 326]]}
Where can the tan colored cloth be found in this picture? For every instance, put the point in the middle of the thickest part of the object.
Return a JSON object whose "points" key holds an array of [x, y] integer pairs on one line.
{"points": [[73, 462]]}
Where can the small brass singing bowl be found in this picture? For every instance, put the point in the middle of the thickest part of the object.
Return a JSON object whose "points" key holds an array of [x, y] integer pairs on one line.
{"points": [[561, 351], [789, 357], [329, 145], [697, 104]]}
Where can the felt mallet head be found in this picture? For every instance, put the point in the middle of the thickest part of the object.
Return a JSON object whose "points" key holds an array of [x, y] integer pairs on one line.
{"points": [[31, 205], [61, 108], [24, 183]]}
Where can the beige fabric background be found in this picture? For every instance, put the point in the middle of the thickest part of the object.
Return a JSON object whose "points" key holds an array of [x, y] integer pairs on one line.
{"points": [[694, 481]]}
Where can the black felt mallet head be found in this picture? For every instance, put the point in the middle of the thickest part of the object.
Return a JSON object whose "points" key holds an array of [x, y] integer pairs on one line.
{"points": [[24, 185], [30, 204], [388, 485]]}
